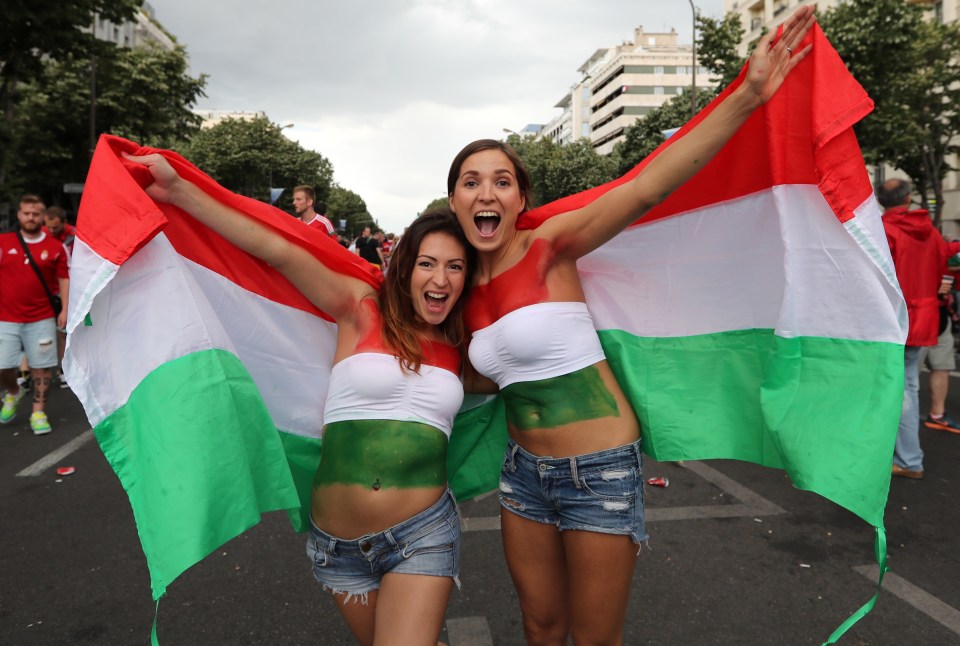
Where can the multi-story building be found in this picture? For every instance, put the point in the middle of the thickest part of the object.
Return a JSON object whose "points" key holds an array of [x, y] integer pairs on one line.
{"points": [[755, 15], [621, 84], [140, 31]]}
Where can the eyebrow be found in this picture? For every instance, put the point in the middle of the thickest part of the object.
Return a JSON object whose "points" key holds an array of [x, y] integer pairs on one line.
{"points": [[423, 255], [499, 171]]}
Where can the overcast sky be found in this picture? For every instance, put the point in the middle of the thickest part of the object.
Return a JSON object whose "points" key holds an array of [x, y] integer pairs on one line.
{"points": [[389, 91]]}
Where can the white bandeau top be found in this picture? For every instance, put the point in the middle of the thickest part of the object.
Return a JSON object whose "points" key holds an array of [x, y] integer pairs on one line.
{"points": [[536, 342], [371, 385]]}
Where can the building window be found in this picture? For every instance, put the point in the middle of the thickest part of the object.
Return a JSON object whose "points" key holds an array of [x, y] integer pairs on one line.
{"points": [[679, 90], [681, 69], [585, 129], [658, 90], [658, 69], [586, 94]]}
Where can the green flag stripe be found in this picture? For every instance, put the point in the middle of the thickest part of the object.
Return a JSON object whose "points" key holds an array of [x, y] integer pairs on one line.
{"points": [[752, 395], [199, 457]]}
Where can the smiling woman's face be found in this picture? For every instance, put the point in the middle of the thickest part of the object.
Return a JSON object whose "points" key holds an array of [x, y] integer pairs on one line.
{"points": [[438, 277], [487, 199]]}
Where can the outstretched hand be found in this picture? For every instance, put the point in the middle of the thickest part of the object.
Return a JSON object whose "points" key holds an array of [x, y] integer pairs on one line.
{"points": [[770, 64], [165, 178]]}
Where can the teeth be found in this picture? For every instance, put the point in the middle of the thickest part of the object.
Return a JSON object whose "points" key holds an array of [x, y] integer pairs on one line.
{"points": [[487, 214], [436, 295]]}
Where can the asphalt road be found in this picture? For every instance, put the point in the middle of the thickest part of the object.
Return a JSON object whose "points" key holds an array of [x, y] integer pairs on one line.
{"points": [[736, 556]]}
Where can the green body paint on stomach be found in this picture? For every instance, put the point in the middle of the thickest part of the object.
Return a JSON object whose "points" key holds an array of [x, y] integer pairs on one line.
{"points": [[549, 403], [382, 454]]}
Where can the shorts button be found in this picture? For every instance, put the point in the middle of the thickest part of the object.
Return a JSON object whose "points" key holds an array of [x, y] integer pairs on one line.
{"points": [[543, 467], [365, 545]]}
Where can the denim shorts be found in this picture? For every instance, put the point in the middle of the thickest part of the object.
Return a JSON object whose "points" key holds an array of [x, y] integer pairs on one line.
{"points": [[38, 340], [596, 492], [428, 544]]}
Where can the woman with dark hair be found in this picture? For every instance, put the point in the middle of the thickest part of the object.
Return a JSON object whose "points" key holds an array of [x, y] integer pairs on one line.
{"points": [[571, 479], [385, 536]]}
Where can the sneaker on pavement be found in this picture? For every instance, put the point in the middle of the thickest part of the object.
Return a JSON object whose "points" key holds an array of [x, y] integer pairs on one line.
{"points": [[9, 410], [39, 423], [942, 424], [63, 380]]}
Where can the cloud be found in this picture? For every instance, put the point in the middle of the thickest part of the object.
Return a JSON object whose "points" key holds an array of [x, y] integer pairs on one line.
{"points": [[389, 91]]}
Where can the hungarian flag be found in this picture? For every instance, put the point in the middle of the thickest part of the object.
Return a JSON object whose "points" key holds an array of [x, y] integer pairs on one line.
{"points": [[754, 314]]}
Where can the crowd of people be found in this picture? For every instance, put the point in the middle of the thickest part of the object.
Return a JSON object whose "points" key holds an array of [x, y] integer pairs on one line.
{"points": [[470, 302]]}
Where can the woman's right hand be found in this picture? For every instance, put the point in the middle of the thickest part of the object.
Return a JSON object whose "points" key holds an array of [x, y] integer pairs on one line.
{"points": [[166, 182]]}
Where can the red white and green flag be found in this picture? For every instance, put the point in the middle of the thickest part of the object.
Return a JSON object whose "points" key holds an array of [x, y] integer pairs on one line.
{"points": [[755, 315]]}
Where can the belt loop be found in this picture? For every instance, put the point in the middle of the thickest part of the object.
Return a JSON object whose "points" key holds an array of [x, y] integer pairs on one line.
{"points": [[573, 472], [513, 457], [332, 546], [387, 534]]}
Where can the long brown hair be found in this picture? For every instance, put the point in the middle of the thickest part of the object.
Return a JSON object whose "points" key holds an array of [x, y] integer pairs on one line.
{"points": [[400, 323], [520, 171]]}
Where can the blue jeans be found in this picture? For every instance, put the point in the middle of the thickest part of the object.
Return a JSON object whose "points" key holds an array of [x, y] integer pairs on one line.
{"points": [[907, 452], [427, 544], [596, 492]]}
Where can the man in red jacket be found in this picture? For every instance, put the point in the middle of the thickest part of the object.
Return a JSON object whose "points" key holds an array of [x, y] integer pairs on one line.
{"points": [[920, 255]]}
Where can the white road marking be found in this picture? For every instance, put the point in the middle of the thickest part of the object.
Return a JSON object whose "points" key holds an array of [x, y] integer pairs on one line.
{"points": [[50, 459], [469, 631], [944, 614]]}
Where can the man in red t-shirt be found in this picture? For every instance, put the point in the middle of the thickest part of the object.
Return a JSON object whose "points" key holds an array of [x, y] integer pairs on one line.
{"points": [[27, 320], [57, 225], [303, 205]]}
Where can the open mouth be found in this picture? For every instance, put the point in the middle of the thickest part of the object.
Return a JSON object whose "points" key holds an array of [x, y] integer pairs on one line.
{"points": [[486, 223], [436, 301]]}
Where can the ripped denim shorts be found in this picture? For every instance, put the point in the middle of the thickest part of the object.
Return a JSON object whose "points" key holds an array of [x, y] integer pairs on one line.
{"points": [[428, 543], [596, 492]]}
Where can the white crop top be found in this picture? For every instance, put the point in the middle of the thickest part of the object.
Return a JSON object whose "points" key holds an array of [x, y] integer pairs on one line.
{"points": [[371, 385], [536, 342]]}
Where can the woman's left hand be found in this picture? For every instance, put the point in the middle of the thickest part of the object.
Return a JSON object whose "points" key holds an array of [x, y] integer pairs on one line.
{"points": [[770, 64]]}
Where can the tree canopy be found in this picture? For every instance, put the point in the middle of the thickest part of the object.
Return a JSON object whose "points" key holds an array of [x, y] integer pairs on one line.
{"points": [[344, 204], [34, 32], [249, 156], [143, 94]]}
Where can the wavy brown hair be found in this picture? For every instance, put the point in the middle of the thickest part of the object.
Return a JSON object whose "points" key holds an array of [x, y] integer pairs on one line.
{"points": [[401, 326]]}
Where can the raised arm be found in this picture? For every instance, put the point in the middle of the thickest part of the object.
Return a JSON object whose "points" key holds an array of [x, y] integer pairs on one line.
{"points": [[334, 293], [580, 232]]}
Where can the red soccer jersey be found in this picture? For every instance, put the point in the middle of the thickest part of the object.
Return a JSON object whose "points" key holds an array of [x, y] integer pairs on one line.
{"points": [[22, 297]]}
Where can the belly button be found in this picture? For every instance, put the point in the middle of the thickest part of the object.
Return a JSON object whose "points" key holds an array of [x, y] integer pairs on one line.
{"points": [[376, 485]]}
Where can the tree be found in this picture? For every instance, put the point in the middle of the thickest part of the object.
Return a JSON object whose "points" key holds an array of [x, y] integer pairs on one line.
{"points": [[344, 204], [910, 69], [438, 203], [557, 171], [717, 47], [646, 134], [144, 94], [36, 31], [250, 156]]}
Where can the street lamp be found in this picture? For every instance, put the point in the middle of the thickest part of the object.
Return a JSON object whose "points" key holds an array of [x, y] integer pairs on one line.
{"points": [[512, 132], [693, 86]]}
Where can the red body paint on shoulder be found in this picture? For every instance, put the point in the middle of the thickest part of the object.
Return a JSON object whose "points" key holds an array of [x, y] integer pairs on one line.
{"points": [[521, 285], [435, 353]]}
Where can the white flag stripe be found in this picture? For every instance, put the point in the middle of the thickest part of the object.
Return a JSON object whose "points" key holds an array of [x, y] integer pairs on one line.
{"points": [[777, 259], [260, 332]]}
